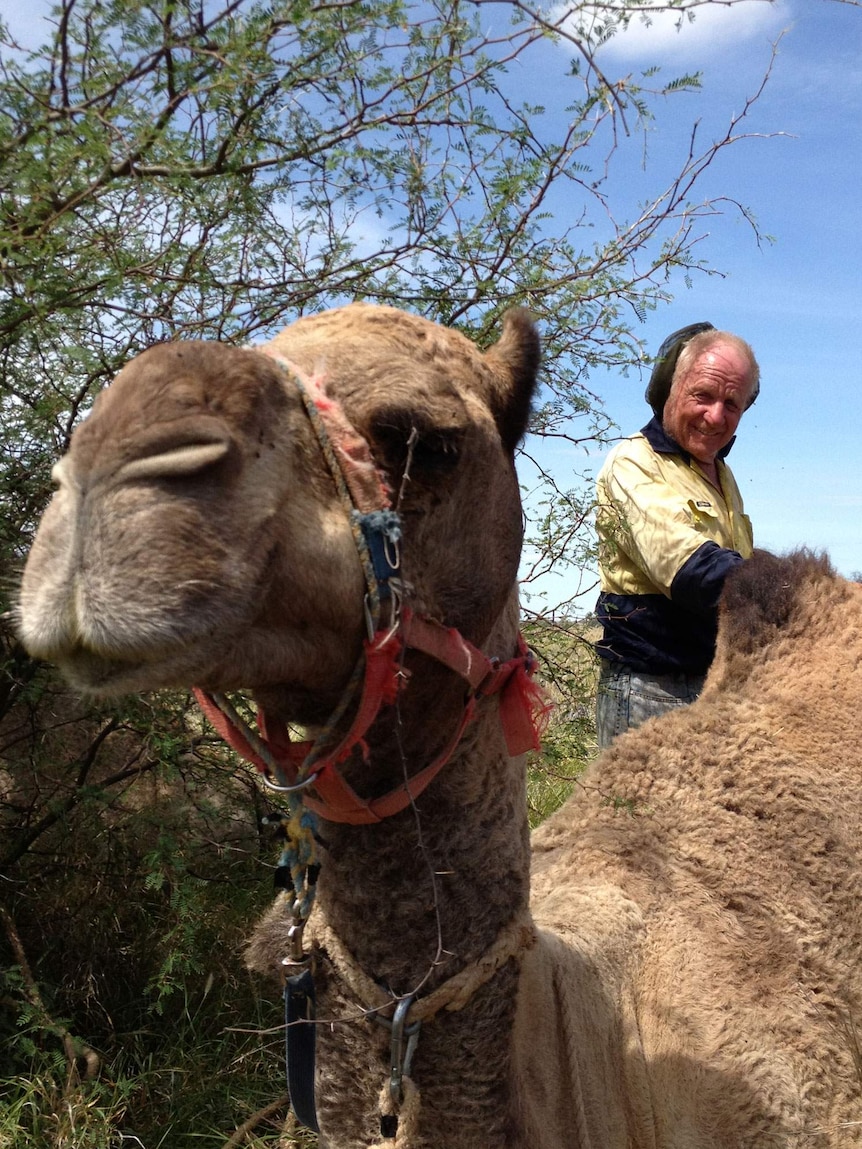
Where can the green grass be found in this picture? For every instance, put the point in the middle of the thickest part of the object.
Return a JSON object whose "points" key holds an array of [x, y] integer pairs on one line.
{"points": [[569, 674], [186, 1082]]}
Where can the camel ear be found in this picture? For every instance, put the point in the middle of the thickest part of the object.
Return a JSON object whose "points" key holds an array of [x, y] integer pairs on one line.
{"points": [[514, 362]]}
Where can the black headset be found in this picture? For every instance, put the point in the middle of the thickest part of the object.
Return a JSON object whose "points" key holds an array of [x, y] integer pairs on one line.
{"points": [[661, 378]]}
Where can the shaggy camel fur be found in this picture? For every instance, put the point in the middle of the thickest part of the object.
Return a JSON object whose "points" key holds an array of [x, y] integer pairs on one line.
{"points": [[690, 972]]}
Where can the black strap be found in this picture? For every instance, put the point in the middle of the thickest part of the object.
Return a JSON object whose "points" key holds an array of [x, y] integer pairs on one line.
{"points": [[299, 1038]]}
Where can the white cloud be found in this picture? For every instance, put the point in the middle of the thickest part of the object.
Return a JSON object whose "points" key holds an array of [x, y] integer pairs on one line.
{"points": [[658, 33]]}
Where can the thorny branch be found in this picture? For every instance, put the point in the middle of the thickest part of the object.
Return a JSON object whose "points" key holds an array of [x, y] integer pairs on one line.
{"points": [[75, 1050]]}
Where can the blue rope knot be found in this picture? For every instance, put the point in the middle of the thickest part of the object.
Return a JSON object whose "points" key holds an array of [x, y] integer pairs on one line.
{"points": [[381, 531], [297, 867]]}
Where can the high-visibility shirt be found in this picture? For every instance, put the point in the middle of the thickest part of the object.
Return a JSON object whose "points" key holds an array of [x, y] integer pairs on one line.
{"points": [[667, 540]]}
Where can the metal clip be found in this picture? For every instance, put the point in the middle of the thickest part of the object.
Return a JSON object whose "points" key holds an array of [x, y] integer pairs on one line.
{"points": [[401, 1055], [392, 548], [401, 589], [395, 603], [294, 940]]}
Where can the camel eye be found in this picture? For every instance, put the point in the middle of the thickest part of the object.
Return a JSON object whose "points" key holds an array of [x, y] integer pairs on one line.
{"points": [[400, 441]]}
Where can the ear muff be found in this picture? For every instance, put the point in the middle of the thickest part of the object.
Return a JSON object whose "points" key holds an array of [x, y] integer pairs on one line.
{"points": [[661, 378]]}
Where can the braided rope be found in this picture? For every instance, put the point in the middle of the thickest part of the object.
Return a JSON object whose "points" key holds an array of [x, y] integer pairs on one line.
{"points": [[327, 732], [516, 936], [406, 1114], [313, 412]]}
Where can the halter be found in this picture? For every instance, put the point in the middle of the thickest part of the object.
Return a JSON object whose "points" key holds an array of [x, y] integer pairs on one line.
{"points": [[307, 766]]}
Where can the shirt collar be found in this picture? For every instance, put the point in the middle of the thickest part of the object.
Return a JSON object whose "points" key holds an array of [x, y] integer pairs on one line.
{"points": [[663, 444]]}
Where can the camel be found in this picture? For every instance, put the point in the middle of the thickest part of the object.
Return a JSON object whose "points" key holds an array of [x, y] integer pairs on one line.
{"points": [[331, 522]]}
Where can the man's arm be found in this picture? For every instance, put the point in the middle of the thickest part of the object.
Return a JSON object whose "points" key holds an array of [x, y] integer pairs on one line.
{"points": [[698, 583]]}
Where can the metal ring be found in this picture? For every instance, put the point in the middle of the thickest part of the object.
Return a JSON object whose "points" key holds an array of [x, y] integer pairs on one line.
{"points": [[273, 785]]}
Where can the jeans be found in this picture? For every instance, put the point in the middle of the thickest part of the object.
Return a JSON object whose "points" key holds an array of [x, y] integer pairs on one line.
{"points": [[627, 697]]}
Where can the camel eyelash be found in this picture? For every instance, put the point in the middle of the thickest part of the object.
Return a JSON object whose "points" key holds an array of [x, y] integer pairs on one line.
{"points": [[398, 435]]}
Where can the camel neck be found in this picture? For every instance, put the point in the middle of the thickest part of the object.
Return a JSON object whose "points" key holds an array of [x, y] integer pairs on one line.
{"points": [[425, 892]]}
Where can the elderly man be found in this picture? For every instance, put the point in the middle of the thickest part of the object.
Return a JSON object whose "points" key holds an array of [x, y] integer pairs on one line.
{"points": [[671, 525]]}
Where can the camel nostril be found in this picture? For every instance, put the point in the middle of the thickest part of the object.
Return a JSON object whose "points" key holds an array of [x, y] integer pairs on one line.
{"points": [[189, 459]]}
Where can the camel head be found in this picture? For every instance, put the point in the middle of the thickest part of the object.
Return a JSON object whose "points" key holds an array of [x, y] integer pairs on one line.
{"points": [[197, 538]]}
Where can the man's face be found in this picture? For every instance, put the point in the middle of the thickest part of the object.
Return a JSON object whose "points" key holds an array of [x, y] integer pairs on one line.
{"points": [[705, 405]]}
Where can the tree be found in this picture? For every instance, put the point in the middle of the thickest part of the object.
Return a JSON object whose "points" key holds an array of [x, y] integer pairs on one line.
{"points": [[213, 168]]}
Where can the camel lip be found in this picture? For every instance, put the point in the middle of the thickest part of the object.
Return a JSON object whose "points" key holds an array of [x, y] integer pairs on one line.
{"points": [[100, 676], [97, 676]]}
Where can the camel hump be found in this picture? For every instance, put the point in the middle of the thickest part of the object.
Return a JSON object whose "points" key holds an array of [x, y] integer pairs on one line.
{"points": [[776, 607], [762, 596]]}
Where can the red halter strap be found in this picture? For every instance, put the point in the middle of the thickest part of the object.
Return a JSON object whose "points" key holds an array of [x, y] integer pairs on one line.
{"points": [[334, 798]]}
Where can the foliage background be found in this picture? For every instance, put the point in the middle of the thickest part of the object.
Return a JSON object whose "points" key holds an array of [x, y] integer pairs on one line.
{"points": [[212, 169]]}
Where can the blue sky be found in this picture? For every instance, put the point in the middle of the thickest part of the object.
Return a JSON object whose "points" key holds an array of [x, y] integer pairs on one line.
{"points": [[798, 301]]}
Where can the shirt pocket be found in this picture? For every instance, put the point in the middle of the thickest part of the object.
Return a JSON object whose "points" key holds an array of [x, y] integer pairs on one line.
{"points": [[705, 519]]}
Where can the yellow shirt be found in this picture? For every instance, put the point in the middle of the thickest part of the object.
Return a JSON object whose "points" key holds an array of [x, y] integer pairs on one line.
{"points": [[654, 510], [667, 539]]}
